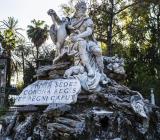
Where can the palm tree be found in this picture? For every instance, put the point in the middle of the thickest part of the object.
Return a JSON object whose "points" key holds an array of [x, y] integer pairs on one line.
{"points": [[38, 33], [23, 53], [10, 37]]}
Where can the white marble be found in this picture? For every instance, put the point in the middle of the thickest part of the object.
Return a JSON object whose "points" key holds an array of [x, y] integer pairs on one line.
{"points": [[137, 105], [44, 92], [77, 34]]}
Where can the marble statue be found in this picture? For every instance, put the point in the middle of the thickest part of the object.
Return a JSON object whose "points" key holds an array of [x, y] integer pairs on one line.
{"points": [[58, 32], [74, 36], [80, 97]]}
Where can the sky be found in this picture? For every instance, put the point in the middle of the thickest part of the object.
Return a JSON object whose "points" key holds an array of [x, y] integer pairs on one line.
{"points": [[26, 10]]}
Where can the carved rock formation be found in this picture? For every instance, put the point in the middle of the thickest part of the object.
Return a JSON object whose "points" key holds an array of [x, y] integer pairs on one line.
{"points": [[114, 113]]}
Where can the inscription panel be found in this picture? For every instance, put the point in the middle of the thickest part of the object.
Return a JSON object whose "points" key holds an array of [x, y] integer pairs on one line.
{"points": [[44, 92]]}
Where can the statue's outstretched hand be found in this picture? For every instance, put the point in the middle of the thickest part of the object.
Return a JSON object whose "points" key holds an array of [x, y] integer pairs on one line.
{"points": [[51, 12]]}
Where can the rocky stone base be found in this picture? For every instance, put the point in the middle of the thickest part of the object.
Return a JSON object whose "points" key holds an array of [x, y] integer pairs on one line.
{"points": [[116, 113]]}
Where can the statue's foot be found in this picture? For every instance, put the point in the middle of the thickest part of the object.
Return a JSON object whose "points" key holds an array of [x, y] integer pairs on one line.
{"points": [[56, 59], [90, 73], [57, 53], [105, 80], [53, 62]]}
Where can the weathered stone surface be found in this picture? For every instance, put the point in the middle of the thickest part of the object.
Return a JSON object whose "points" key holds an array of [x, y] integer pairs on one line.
{"points": [[107, 116], [57, 109], [99, 112], [44, 92], [114, 68], [77, 125], [67, 125], [24, 129], [44, 70], [138, 105], [28, 108], [116, 112], [11, 124], [115, 64], [40, 132]]}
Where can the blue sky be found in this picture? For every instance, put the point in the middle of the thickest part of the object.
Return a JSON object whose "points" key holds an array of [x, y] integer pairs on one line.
{"points": [[26, 10]]}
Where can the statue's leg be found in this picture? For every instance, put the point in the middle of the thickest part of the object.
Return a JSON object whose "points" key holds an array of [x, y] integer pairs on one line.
{"points": [[99, 59], [58, 49], [59, 53], [84, 57], [98, 55]]}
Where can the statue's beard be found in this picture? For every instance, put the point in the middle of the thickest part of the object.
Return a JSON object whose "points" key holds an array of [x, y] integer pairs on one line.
{"points": [[79, 14]]}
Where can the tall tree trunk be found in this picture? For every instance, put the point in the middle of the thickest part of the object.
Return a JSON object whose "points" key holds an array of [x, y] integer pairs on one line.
{"points": [[23, 67], [8, 78], [158, 27], [8, 83], [110, 29], [37, 56]]}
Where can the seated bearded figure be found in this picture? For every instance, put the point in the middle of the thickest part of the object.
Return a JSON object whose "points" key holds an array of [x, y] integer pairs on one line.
{"points": [[77, 33], [83, 40]]}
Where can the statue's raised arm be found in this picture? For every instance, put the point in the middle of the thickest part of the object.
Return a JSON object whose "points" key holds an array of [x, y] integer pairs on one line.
{"points": [[55, 18], [58, 32]]}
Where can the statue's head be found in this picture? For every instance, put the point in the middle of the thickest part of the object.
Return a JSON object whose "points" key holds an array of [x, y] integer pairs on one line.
{"points": [[81, 8]]}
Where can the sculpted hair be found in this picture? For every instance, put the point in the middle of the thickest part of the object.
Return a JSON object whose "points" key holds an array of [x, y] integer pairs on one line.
{"points": [[81, 3]]}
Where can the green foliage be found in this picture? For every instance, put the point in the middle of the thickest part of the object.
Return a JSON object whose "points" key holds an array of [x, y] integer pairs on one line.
{"points": [[10, 34], [20, 86], [9, 38], [38, 32], [131, 29], [68, 9], [104, 48], [106, 16], [142, 52], [29, 73]]}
